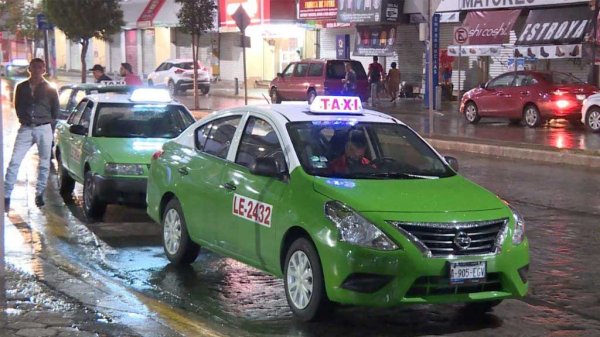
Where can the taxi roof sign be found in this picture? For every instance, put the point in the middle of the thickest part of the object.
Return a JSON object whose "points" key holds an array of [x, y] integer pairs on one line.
{"points": [[150, 95], [112, 83], [343, 105]]}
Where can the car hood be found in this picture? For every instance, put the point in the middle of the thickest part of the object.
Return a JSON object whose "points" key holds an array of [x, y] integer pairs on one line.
{"points": [[452, 194], [129, 150]]}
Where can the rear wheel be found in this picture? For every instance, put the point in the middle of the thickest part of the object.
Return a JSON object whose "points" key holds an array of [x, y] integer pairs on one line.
{"points": [[472, 113], [172, 88], [532, 116], [66, 184], [204, 90], [275, 98], [592, 119], [177, 244], [93, 207]]}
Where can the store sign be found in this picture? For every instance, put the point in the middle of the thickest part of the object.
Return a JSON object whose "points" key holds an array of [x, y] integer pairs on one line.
{"points": [[483, 50], [375, 40], [342, 47], [490, 27], [257, 10], [455, 5], [369, 11], [555, 26], [149, 13], [317, 9]]}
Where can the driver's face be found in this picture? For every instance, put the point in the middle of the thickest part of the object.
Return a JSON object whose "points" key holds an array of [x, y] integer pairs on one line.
{"points": [[354, 151]]}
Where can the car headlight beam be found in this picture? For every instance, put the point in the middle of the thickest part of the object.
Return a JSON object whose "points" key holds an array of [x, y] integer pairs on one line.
{"points": [[355, 229], [124, 169]]}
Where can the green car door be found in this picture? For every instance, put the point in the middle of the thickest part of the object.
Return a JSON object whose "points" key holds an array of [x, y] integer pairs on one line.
{"points": [[65, 137], [253, 200], [200, 173], [77, 141]]}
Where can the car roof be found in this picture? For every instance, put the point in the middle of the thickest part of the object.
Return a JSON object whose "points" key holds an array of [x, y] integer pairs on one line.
{"points": [[115, 97], [99, 87], [177, 60]]}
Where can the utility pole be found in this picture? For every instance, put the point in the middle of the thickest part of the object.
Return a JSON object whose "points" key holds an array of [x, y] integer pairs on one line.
{"points": [[429, 63], [594, 70]]}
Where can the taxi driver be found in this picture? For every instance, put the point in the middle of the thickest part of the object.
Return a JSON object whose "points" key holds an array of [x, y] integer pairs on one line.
{"points": [[353, 158]]}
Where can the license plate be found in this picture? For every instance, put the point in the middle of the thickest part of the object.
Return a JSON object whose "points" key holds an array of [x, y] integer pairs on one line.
{"points": [[467, 272], [581, 97]]}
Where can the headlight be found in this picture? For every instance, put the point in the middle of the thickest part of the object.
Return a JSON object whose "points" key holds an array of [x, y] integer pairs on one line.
{"points": [[124, 169], [355, 229], [519, 232]]}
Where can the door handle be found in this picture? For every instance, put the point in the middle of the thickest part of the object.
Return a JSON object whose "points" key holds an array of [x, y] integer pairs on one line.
{"points": [[229, 186], [183, 171]]}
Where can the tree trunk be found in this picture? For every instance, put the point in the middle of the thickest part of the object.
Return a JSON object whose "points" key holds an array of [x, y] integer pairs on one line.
{"points": [[84, 48], [195, 76]]}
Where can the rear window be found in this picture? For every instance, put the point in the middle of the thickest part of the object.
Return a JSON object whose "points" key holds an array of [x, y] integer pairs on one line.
{"points": [[121, 120], [336, 70], [561, 78]]}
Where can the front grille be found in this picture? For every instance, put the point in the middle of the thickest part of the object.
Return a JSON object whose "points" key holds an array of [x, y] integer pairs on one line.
{"points": [[455, 238], [435, 285]]}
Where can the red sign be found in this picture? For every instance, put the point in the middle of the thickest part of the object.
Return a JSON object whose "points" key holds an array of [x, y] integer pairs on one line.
{"points": [[490, 27], [257, 10], [317, 9], [241, 18], [149, 13]]}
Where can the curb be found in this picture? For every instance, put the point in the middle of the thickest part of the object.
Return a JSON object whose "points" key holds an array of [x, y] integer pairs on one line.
{"points": [[568, 157]]}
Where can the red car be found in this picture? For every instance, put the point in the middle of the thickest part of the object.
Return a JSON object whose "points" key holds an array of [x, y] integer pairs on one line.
{"points": [[529, 96]]}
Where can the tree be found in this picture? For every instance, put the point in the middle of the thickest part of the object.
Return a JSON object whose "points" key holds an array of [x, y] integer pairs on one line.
{"points": [[82, 20], [20, 19], [196, 17]]}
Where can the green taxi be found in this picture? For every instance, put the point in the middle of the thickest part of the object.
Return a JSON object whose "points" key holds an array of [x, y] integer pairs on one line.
{"points": [[346, 204], [107, 143]]}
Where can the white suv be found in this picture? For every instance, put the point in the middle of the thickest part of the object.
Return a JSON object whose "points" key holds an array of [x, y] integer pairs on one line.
{"points": [[177, 76]]}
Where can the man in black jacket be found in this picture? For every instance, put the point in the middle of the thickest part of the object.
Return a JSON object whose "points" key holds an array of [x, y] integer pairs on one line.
{"points": [[99, 74], [36, 104]]}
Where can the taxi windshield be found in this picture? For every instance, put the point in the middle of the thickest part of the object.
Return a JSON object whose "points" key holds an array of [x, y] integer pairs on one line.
{"points": [[17, 71], [122, 120], [362, 150]]}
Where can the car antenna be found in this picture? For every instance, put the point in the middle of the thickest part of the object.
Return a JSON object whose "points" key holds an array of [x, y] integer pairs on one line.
{"points": [[265, 97]]}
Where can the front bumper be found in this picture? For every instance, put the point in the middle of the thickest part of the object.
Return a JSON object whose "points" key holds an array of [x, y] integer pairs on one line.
{"points": [[362, 276], [121, 190]]}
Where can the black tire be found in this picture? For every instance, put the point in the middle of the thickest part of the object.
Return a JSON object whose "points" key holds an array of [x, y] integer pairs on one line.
{"points": [[275, 97], [531, 116], [481, 307], [310, 97], [515, 121], [178, 246], [93, 207], [66, 183], [472, 113], [302, 253], [172, 88], [592, 119], [204, 90]]}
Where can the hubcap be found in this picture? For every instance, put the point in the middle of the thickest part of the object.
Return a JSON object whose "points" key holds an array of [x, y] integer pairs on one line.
{"points": [[531, 116], [172, 231], [471, 113], [594, 120], [300, 279]]}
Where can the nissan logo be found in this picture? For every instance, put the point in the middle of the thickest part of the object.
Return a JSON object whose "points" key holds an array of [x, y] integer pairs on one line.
{"points": [[462, 240]]}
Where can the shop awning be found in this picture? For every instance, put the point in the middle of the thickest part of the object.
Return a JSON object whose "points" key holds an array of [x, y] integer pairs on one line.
{"points": [[555, 26], [131, 12], [167, 15], [490, 27], [149, 13]]}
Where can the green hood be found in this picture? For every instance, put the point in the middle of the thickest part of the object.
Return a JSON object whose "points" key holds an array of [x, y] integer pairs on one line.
{"points": [[128, 150], [453, 194]]}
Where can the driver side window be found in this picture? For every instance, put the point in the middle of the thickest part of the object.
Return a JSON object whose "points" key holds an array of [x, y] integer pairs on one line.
{"points": [[289, 70], [502, 81]]}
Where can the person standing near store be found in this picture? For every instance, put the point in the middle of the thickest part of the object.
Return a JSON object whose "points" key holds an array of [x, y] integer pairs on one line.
{"points": [[36, 104], [126, 71], [375, 75], [349, 80], [393, 81]]}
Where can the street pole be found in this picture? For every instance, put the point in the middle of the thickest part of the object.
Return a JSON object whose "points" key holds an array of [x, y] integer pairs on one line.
{"points": [[594, 44], [459, 96], [430, 65], [2, 254], [46, 51], [244, 60]]}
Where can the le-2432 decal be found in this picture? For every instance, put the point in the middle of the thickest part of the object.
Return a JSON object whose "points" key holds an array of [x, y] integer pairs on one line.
{"points": [[252, 210]]}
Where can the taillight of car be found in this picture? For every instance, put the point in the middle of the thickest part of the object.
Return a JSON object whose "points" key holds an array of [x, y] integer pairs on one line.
{"points": [[157, 154], [563, 104], [179, 71]]}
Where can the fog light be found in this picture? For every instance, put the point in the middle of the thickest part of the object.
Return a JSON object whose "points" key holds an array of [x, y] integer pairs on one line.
{"points": [[523, 271], [365, 283]]}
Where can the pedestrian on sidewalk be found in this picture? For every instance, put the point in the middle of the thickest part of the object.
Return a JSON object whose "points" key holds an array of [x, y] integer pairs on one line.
{"points": [[99, 74], [349, 80], [393, 82], [130, 78], [36, 104], [375, 74]]}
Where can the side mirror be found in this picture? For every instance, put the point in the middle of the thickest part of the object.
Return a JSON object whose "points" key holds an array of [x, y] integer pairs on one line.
{"points": [[453, 162], [265, 166], [78, 130], [279, 75], [483, 85]]}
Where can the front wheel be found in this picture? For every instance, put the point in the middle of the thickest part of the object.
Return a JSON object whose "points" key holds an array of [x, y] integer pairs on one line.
{"points": [[592, 120], [172, 88], [178, 246], [304, 283], [93, 207], [532, 116], [472, 113], [275, 98]]}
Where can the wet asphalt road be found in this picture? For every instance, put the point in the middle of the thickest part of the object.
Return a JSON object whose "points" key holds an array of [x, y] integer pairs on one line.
{"points": [[122, 260]]}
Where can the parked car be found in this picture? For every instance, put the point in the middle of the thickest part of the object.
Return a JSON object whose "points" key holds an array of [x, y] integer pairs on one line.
{"points": [[70, 95], [590, 113], [529, 96], [346, 204], [12, 73], [307, 79], [177, 76], [107, 142]]}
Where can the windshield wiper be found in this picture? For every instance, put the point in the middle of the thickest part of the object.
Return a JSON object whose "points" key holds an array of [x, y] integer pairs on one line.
{"points": [[398, 175]]}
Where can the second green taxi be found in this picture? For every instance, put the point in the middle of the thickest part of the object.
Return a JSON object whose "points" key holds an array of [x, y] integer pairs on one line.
{"points": [[107, 143]]}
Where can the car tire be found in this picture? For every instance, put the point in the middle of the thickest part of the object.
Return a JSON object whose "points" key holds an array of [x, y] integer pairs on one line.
{"points": [[472, 113], [310, 97], [178, 246], [172, 88], [515, 121], [531, 116], [592, 119], [275, 97], [66, 183], [204, 90], [304, 283], [93, 207]]}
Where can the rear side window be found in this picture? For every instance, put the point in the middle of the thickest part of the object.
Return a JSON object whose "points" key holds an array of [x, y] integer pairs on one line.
{"points": [[260, 140], [64, 97], [315, 69], [337, 71], [300, 70], [215, 137]]}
